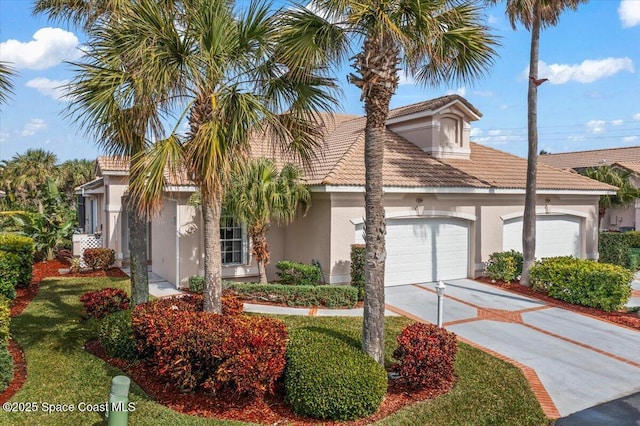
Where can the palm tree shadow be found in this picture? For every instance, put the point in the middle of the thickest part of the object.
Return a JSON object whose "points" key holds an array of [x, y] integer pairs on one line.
{"points": [[349, 340]]}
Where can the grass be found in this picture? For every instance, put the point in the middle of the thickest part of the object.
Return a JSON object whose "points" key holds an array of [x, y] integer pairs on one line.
{"points": [[489, 391]]}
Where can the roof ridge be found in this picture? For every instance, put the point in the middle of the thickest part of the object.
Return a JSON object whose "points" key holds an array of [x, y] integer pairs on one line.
{"points": [[343, 158], [591, 150]]}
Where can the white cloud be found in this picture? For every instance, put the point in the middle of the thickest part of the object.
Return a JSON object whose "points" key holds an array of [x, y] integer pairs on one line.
{"points": [[475, 132], [629, 13], [53, 88], [588, 71], [49, 47], [574, 138], [462, 91], [629, 139], [616, 122], [485, 94], [596, 126], [33, 126], [405, 79], [495, 132], [636, 116], [492, 19]]}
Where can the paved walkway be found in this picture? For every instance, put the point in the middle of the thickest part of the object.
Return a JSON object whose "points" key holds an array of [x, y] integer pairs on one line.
{"points": [[572, 361]]}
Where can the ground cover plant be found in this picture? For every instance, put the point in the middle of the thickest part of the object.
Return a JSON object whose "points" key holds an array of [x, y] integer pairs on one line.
{"points": [[488, 391]]}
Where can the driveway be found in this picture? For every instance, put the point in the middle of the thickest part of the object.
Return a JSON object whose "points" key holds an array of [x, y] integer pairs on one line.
{"points": [[572, 361]]}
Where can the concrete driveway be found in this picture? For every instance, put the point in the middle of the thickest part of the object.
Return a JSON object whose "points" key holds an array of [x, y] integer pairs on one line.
{"points": [[572, 361]]}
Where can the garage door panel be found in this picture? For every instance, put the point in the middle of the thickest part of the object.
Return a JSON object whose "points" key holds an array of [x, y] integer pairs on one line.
{"points": [[555, 236]]}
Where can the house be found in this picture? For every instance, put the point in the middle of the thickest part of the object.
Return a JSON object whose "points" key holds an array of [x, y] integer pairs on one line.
{"points": [[627, 159], [449, 204]]}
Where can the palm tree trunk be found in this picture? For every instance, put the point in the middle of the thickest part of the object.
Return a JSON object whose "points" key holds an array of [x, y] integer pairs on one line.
{"points": [[260, 251], [211, 210], [529, 219], [138, 251]]}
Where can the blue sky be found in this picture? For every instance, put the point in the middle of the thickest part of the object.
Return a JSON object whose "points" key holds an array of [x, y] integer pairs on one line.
{"points": [[592, 99]]}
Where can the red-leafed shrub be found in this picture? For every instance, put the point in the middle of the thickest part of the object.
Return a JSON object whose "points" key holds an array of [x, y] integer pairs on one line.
{"points": [[194, 349], [99, 258], [100, 303], [426, 355], [231, 305]]}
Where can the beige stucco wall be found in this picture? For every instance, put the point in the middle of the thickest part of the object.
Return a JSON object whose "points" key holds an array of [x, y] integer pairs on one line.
{"points": [[163, 245], [115, 188]]}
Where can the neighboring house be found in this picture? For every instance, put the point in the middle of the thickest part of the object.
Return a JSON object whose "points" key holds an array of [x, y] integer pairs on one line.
{"points": [[628, 159], [449, 204]]}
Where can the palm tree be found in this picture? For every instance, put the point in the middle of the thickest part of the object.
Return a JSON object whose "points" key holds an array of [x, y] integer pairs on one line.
{"points": [[6, 85], [73, 173], [258, 195], [237, 79], [436, 41], [534, 15], [626, 193], [119, 121], [25, 175]]}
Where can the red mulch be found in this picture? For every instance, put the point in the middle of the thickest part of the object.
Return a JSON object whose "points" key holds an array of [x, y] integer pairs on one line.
{"points": [[628, 319], [270, 410]]}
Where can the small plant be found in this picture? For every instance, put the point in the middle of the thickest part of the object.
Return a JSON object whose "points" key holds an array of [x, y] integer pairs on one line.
{"points": [[426, 356], [99, 258], [196, 284], [358, 255], [100, 303], [504, 265], [293, 273], [116, 336], [74, 264]]}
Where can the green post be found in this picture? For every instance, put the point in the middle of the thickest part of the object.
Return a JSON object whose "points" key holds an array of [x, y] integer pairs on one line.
{"points": [[117, 410]]}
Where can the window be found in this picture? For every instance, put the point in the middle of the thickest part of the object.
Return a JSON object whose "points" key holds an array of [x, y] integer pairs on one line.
{"points": [[232, 242]]}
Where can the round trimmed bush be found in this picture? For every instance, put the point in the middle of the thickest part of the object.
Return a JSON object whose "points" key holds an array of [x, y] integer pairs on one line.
{"points": [[329, 379], [116, 336], [6, 366]]}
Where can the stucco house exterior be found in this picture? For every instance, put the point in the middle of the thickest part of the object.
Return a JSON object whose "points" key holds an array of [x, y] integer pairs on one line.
{"points": [[627, 159], [449, 204]]}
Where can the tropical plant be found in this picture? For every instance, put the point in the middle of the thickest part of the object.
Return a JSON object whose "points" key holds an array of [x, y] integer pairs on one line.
{"points": [[626, 193], [112, 104], [258, 195], [534, 15], [238, 80], [6, 85], [73, 173], [436, 41], [25, 176]]}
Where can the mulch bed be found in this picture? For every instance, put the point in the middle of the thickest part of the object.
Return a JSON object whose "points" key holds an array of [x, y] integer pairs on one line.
{"points": [[268, 410], [628, 319]]}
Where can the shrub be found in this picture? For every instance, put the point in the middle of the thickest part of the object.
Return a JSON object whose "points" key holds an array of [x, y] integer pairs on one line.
{"points": [[331, 296], [6, 366], [633, 258], [23, 247], [426, 356], [358, 256], [99, 258], [504, 265], [293, 273], [633, 239], [5, 319], [196, 284], [191, 349], [583, 282], [9, 274], [100, 303], [614, 247], [329, 379], [116, 336]]}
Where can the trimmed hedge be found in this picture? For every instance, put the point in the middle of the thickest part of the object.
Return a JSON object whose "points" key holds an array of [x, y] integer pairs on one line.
{"points": [[99, 258], [504, 265], [116, 336], [293, 273], [6, 366], [329, 379], [633, 258], [583, 282], [331, 296], [358, 257], [23, 247], [5, 319], [426, 356], [614, 248], [9, 274], [240, 354]]}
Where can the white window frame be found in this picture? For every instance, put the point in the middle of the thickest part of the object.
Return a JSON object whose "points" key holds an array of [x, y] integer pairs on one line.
{"points": [[242, 239]]}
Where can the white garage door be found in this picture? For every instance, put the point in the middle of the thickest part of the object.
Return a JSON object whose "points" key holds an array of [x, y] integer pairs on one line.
{"points": [[425, 250], [555, 236]]}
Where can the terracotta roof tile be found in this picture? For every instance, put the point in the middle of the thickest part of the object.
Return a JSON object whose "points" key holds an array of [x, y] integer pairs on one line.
{"points": [[598, 157], [633, 166], [431, 105], [113, 164]]}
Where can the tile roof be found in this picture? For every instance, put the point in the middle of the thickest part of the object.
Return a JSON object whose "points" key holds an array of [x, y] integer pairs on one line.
{"points": [[432, 105], [597, 157], [633, 166], [112, 164]]}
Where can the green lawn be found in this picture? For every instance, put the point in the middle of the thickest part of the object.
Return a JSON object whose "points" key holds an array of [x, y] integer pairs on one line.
{"points": [[488, 392]]}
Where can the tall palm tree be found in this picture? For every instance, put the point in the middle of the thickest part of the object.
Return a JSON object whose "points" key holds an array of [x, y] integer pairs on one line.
{"points": [[260, 194], [236, 78], [6, 85], [116, 119], [73, 173], [435, 41], [626, 193], [534, 15], [25, 175]]}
